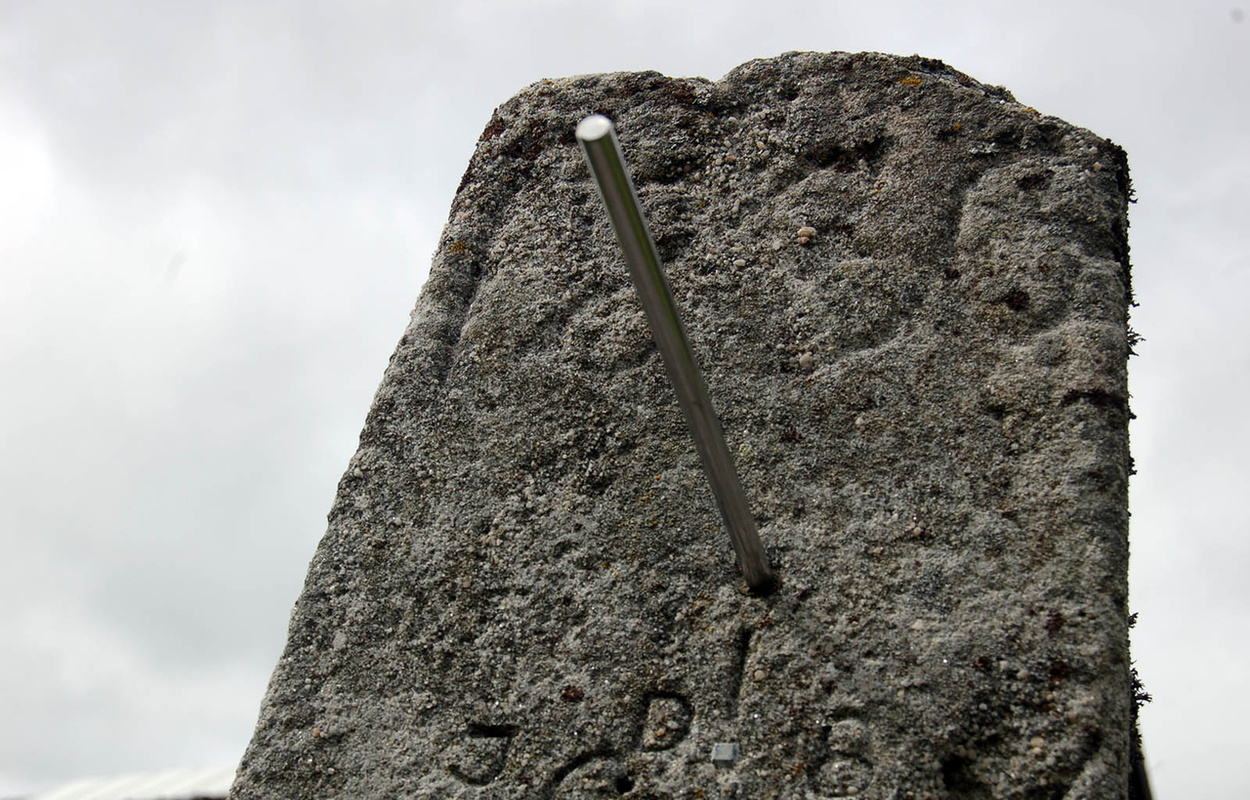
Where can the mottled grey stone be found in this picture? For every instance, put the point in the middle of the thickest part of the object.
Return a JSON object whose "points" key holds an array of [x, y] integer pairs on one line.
{"points": [[525, 590]]}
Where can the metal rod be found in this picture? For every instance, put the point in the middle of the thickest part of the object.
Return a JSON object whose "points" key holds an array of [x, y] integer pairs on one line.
{"points": [[603, 154]]}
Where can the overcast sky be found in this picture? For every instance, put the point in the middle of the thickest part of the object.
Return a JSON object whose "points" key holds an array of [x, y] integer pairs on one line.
{"points": [[215, 218]]}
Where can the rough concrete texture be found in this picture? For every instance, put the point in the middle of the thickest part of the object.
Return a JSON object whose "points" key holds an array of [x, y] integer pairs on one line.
{"points": [[525, 590]]}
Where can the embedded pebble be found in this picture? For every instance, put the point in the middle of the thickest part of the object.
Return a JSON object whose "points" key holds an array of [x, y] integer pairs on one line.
{"points": [[808, 360], [806, 233]]}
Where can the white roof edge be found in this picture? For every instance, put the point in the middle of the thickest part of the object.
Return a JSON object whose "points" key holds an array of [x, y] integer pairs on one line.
{"points": [[176, 784]]}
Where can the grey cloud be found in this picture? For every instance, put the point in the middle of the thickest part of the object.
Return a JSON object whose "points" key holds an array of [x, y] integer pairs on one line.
{"points": [[169, 445]]}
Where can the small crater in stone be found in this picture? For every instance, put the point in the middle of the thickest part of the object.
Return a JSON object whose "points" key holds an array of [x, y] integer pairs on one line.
{"points": [[1035, 180], [666, 723]]}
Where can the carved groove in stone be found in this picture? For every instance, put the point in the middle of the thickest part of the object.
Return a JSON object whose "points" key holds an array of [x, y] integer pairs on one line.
{"points": [[845, 766], [742, 655], [480, 755], [590, 775]]}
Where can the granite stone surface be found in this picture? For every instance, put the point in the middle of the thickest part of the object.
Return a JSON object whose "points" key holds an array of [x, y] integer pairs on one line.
{"points": [[525, 590]]}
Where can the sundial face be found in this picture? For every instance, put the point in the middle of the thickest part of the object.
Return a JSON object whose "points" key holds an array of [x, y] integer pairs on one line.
{"points": [[907, 293]]}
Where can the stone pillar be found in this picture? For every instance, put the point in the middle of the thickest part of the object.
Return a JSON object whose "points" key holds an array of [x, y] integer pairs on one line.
{"points": [[909, 294]]}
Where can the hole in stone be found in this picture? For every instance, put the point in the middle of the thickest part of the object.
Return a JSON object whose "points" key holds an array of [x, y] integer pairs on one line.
{"points": [[1017, 299], [480, 730], [766, 589], [960, 781], [952, 766], [624, 784]]}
